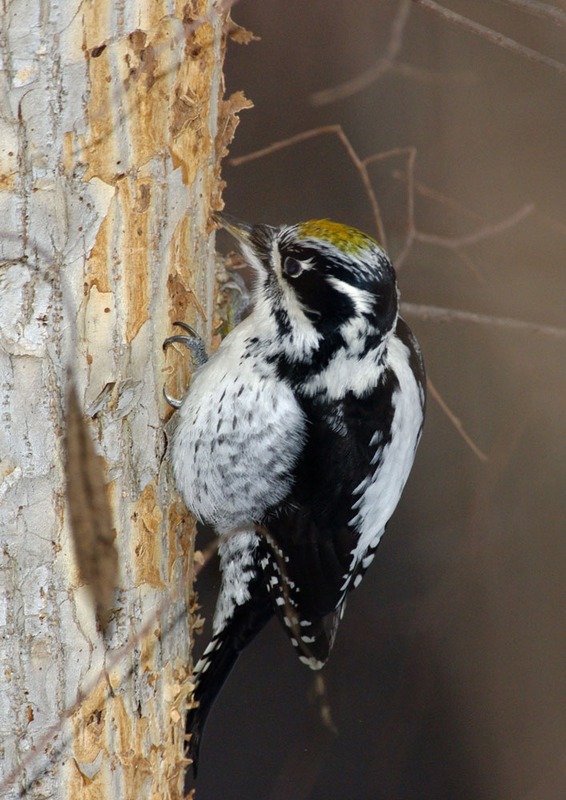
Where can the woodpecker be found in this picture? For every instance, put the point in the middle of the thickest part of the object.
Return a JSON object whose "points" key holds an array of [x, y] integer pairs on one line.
{"points": [[295, 439]]}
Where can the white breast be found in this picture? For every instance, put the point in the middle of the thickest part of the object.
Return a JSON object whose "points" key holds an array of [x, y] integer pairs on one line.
{"points": [[238, 437]]}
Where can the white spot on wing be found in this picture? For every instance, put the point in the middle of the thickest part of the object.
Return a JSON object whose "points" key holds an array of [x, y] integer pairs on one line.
{"points": [[313, 663], [202, 666], [367, 560]]}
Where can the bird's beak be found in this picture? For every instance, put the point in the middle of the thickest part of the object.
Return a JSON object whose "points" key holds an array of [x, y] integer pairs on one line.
{"points": [[242, 231], [255, 240]]}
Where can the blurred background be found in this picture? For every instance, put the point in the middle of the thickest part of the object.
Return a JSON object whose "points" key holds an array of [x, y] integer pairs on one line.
{"points": [[447, 679]]}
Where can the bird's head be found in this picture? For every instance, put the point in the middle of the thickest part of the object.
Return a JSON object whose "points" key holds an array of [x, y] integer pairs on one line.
{"points": [[319, 280]]}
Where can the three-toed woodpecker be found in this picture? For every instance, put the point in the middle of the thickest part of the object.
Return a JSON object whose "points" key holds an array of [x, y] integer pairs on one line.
{"points": [[295, 439]]}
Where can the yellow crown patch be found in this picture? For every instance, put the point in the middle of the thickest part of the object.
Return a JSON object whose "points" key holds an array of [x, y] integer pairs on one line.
{"points": [[349, 240]]}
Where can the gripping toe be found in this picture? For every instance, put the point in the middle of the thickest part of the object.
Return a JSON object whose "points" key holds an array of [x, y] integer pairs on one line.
{"points": [[196, 347]]}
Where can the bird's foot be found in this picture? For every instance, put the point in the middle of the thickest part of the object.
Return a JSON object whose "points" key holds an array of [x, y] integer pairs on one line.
{"points": [[196, 347]]}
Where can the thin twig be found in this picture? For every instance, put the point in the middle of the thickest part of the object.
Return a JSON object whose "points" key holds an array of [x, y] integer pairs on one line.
{"points": [[485, 232], [469, 262], [411, 154], [455, 421], [433, 194], [433, 77], [492, 36], [439, 314], [540, 10], [356, 160], [456, 244], [373, 73]]}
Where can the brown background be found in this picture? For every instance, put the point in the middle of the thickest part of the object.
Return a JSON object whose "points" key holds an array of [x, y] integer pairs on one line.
{"points": [[447, 678]]}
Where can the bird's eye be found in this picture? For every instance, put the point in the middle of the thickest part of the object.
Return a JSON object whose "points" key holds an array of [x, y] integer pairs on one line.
{"points": [[292, 267]]}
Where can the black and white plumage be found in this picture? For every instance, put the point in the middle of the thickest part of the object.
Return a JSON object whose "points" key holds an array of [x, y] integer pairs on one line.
{"points": [[296, 439]]}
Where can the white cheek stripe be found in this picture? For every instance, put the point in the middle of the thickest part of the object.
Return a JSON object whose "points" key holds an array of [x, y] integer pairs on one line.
{"points": [[276, 258], [362, 299]]}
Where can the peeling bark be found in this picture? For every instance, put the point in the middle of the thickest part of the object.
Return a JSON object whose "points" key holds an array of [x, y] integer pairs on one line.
{"points": [[112, 126]]}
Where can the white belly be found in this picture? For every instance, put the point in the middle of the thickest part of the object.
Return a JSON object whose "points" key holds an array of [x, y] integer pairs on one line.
{"points": [[239, 434]]}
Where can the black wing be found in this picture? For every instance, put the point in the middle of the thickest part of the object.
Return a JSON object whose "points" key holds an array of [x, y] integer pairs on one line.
{"points": [[308, 563]]}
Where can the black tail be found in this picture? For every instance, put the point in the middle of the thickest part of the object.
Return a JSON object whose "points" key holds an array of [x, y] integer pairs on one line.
{"points": [[217, 661]]}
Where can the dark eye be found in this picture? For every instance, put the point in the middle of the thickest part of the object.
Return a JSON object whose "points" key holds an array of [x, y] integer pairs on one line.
{"points": [[292, 267]]}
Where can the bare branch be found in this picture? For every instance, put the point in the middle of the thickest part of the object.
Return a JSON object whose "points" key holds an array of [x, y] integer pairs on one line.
{"points": [[439, 314], [485, 232], [356, 160], [538, 9], [492, 36], [373, 73], [388, 63], [455, 421], [455, 244], [431, 76], [411, 154], [439, 197], [469, 262]]}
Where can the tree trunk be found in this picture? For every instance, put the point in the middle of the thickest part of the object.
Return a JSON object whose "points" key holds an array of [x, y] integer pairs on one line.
{"points": [[111, 131]]}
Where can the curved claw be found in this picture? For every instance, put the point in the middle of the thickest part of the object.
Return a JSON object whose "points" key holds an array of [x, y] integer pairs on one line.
{"points": [[193, 341], [187, 328], [173, 402], [197, 348], [178, 338]]}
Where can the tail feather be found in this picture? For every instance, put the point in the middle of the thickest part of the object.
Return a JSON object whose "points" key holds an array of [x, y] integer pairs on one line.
{"points": [[221, 654]]}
